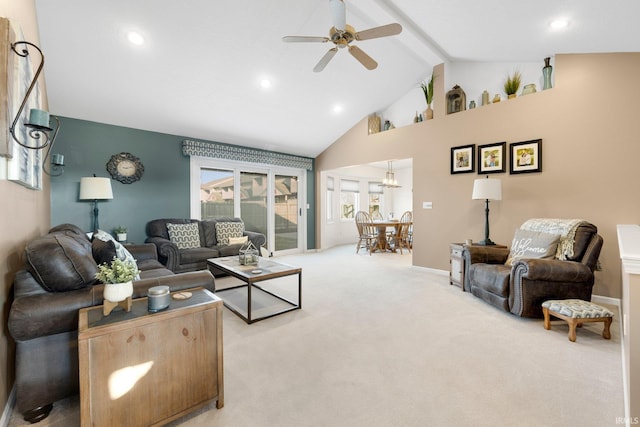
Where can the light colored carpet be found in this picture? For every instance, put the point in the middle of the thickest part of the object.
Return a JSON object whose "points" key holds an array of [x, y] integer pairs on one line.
{"points": [[381, 343]]}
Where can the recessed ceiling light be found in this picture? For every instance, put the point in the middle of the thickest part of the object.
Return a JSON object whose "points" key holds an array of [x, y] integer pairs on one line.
{"points": [[337, 109], [559, 23], [135, 38], [265, 83]]}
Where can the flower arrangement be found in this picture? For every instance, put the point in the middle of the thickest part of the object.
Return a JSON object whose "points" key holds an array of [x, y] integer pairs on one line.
{"points": [[427, 88], [512, 84], [117, 271], [120, 229]]}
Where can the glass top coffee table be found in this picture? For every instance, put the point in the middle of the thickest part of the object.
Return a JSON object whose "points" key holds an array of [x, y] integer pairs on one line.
{"points": [[251, 275]]}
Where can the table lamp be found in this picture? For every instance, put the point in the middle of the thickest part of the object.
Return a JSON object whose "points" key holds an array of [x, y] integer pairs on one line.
{"points": [[95, 188], [487, 189]]}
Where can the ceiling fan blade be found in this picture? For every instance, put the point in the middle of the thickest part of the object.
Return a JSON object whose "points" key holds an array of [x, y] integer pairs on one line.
{"points": [[364, 59], [338, 14], [383, 31], [304, 39], [325, 60]]}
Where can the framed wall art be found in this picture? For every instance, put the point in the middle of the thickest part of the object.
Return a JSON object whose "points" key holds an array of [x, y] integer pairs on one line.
{"points": [[525, 157], [463, 159], [21, 165], [491, 158]]}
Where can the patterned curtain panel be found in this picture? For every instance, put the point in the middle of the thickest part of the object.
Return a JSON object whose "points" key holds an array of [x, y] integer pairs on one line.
{"points": [[244, 154]]}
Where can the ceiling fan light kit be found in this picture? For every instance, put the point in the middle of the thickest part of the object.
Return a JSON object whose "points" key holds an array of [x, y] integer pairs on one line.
{"points": [[343, 34]]}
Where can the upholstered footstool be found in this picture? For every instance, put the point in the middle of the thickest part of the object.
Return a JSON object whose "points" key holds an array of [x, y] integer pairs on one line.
{"points": [[576, 312]]}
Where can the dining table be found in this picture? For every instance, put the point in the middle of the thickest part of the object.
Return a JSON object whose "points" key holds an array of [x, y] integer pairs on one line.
{"points": [[381, 226]]}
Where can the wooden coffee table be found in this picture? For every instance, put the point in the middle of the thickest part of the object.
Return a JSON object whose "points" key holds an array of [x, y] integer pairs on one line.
{"points": [[252, 274], [141, 369]]}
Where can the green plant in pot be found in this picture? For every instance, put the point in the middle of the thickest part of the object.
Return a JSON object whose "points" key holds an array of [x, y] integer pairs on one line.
{"points": [[121, 233], [117, 277], [427, 89], [512, 84]]}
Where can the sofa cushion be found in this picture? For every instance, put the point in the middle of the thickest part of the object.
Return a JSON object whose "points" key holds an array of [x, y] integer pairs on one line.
{"points": [[158, 227], [185, 236], [533, 244], [121, 252], [195, 255], [238, 240], [225, 230], [492, 278], [103, 251], [70, 230], [60, 262]]}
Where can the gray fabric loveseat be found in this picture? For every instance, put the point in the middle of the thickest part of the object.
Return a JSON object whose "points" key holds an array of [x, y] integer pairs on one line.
{"points": [[186, 244]]}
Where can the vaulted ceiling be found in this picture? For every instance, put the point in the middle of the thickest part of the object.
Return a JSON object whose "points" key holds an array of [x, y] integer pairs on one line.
{"points": [[200, 69]]}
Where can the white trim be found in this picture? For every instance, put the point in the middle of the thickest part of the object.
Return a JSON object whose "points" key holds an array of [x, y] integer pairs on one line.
{"points": [[8, 408], [599, 299]]}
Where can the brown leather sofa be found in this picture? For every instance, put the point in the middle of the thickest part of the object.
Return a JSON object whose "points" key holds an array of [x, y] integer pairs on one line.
{"points": [[521, 288], [193, 259], [57, 281]]}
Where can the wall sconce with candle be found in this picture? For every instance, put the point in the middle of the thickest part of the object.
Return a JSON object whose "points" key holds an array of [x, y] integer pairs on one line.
{"points": [[56, 168], [40, 130]]}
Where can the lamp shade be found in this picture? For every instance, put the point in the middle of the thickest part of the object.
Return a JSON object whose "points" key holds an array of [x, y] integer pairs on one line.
{"points": [[487, 189], [95, 188]]}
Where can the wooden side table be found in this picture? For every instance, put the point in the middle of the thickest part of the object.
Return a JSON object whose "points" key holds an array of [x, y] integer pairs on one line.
{"points": [[141, 369], [456, 273]]}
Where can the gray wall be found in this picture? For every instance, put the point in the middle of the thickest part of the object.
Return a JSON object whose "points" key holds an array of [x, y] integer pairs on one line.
{"points": [[163, 191]]}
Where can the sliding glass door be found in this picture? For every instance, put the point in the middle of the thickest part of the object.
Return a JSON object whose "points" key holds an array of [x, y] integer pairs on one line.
{"points": [[254, 202], [287, 212], [267, 198]]}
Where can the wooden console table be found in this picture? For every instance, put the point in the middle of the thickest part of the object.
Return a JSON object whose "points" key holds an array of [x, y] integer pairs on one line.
{"points": [[141, 369]]}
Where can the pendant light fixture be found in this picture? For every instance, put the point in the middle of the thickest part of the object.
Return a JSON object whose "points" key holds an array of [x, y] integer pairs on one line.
{"points": [[389, 180]]}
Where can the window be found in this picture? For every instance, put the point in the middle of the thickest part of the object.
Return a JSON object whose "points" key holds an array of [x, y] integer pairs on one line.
{"points": [[375, 199], [349, 198], [216, 193], [329, 202]]}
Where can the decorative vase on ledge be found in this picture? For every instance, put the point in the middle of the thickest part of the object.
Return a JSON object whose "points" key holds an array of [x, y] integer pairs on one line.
{"points": [[546, 74], [428, 113]]}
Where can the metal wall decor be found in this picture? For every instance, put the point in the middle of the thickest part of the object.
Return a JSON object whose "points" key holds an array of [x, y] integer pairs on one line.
{"points": [[456, 100], [125, 167]]}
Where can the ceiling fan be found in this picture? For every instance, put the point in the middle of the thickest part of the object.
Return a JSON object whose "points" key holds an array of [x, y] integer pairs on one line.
{"points": [[342, 34]]}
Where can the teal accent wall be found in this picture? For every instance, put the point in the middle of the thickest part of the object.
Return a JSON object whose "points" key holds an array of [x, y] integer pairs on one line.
{"points": [[162, 192]]}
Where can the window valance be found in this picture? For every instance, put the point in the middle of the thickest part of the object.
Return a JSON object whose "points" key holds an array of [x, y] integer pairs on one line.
{"points": [[244, 154]]}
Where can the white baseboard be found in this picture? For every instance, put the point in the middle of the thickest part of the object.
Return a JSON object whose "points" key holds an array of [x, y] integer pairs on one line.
{"points": [[605, 300], [8, 408]]}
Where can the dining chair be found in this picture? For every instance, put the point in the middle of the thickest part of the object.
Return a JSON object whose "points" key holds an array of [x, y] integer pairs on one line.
{"points": [[407, 217], [367, 234], [401, 238]]}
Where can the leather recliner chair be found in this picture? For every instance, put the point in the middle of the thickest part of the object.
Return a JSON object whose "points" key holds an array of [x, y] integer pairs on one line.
{"points": [[521, 288]]}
